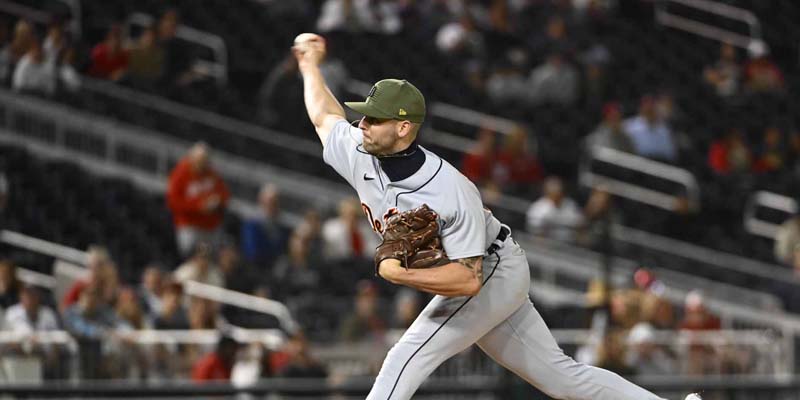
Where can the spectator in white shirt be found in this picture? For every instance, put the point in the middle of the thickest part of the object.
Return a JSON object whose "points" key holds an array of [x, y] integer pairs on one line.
{"points": [[200, 268], [29, 316], [34, 73], [348, 235], [554, 215]]}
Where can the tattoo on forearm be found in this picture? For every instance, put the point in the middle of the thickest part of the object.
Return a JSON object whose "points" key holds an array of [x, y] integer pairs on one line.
{"points": [[475, 264]]}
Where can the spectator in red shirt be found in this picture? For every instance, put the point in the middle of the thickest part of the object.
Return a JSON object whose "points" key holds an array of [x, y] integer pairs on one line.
{"points": [[479, 160], [197, 197], [217, 365], [761, 74], [109, 58], [729, 154], [101, 274], [696, 315], [701, 358], [517, 168]]}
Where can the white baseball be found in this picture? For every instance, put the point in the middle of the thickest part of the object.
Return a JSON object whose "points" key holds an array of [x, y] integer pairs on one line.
{"points": [[307, 37]]}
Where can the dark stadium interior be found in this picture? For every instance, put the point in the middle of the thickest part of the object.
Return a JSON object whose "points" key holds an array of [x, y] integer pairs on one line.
{"points": [[63, 202]]}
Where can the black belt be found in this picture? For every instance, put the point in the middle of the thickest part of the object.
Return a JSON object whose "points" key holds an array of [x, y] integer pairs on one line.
{"points": [[498, 242]]}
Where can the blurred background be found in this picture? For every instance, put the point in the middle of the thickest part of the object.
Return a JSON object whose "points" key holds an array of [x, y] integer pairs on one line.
{"points": [[168, 227]]}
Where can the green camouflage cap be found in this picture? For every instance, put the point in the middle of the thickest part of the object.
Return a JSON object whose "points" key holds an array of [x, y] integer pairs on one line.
{"points": [[392, 99]]}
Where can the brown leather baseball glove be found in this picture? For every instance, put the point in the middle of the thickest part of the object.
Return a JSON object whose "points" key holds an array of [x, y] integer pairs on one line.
{"points": [[413, 238]]}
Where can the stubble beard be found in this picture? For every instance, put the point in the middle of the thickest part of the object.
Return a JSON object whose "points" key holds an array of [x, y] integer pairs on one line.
{"points": [[376, 149]]}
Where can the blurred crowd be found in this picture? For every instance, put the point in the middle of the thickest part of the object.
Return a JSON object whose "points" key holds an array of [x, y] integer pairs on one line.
{"points": [[522, 57], [104, 317], [321, 269], [628, 327], [50, 62], [320, 266]]}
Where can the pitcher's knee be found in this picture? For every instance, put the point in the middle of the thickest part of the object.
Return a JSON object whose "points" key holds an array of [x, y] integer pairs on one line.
{"points": [[569, 381], [556, 392]]}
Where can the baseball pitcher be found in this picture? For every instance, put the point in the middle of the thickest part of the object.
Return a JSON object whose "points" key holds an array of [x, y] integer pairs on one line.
{"points": [[438, 238]]}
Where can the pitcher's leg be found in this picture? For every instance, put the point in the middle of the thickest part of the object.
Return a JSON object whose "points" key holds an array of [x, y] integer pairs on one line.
{"points": [[524, 345], [445, 327], [441, 331]]}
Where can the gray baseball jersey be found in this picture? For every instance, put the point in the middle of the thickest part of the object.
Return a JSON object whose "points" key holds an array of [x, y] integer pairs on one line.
{"points": [[501, 319]]}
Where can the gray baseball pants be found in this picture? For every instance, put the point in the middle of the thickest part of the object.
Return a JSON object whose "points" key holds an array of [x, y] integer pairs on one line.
{"points": [[504, 323]]}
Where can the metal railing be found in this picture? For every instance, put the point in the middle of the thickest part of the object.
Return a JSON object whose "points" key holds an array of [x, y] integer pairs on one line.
{"points": [[22, 355], [627, 235], [152, 348], [771, 201], [43, 247], [115, 136], [218, 68], [76, 271], [541, 259], [161, 151], [470, 367], [718, 259], [307, 147], [551, 262], [145, 156], [197, 289], [771, 356], [664, 17], [285, 142], [273, 339], [640, 165], [310, 148]]}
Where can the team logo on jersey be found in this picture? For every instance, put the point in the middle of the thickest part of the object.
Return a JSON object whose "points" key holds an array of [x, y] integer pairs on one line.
{"points": [[388, 214], [377, 225]]}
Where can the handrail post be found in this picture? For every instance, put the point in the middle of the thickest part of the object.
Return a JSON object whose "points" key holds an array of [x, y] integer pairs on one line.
{"points": [[754, 37], [756, 226], [641, 165]]}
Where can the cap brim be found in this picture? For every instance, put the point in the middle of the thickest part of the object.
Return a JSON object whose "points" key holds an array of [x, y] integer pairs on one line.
{"points": [[367, 109]]}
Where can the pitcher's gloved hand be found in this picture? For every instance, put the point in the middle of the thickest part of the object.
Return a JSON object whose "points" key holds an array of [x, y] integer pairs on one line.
{"points": [[412, 237]]}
